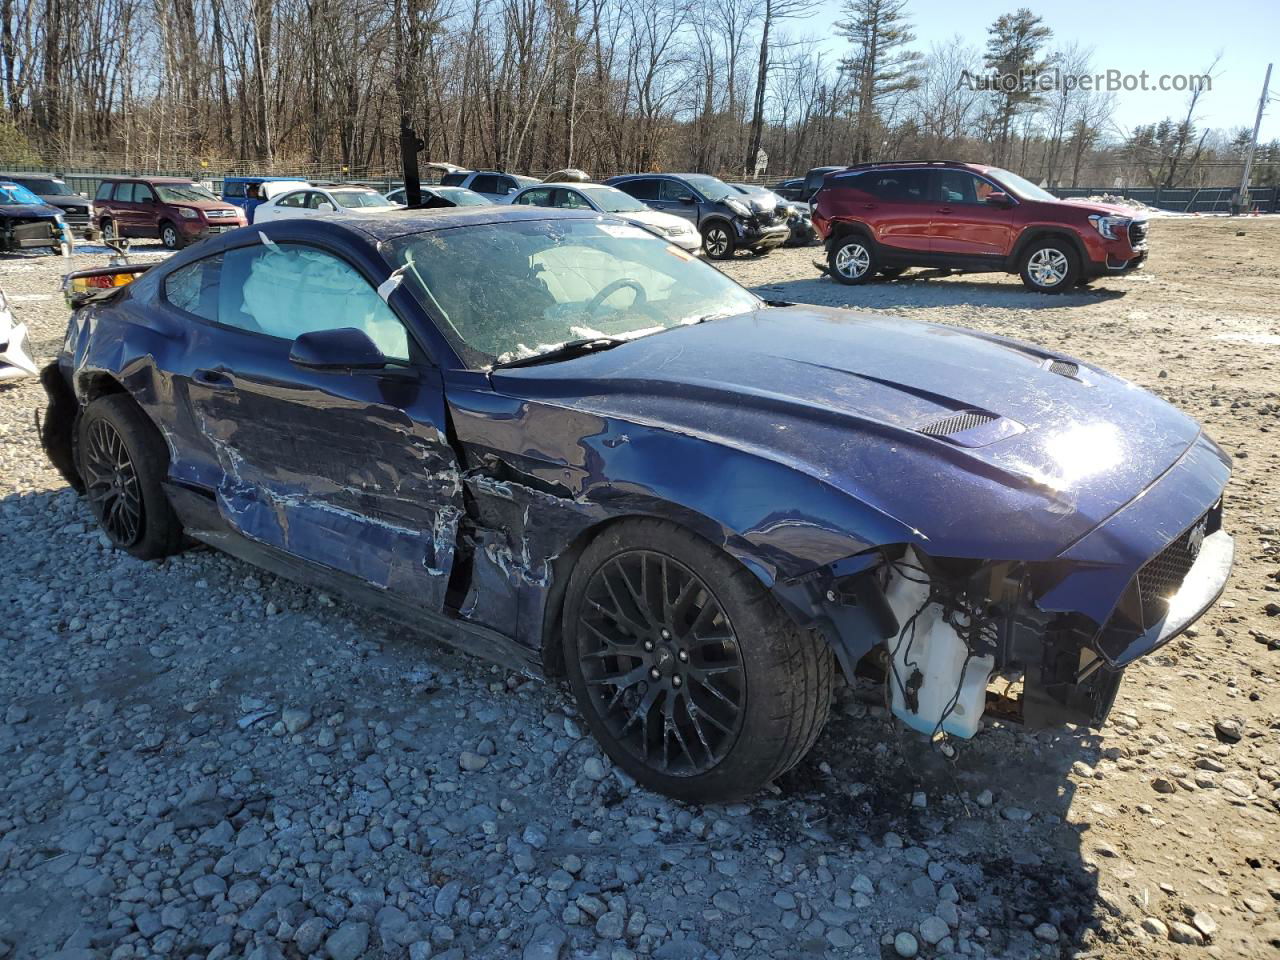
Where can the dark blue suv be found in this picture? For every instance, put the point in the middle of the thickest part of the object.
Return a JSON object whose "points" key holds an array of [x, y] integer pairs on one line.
{"points": [[727, 223]]}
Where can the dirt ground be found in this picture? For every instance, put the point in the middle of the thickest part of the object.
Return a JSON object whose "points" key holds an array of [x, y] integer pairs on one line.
{"points": [[1158, 836]]}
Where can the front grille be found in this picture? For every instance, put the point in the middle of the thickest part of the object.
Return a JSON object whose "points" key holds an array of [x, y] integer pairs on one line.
{"points": [[219, 214], [1163, 574], [32, 230], [1137, 232], [957, 422], [1064, 368]]}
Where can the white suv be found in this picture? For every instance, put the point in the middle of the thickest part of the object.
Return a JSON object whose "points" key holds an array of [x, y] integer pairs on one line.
{"points": [[498, 187]]}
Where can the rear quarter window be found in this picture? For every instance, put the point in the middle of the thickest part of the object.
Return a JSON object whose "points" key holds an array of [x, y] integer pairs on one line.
{"points": [[233, 190], [194, 288], [104, 191], [640, 189], [453, 179]]}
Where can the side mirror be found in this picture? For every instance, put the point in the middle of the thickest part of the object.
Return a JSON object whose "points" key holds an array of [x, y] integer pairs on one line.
{"points": [[345, 348], [325, 205], [510, 191], [687, 200], [998, 199]]}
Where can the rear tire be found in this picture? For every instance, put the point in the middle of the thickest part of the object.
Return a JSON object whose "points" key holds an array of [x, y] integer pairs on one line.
{"points": [[851, 260], [123, 460], [1050, 266], [687, 671], [718, 241], [108, 231]]}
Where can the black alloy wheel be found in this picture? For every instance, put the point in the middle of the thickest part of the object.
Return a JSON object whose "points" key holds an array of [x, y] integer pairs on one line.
{"points": [[111, 484], [662, 660]]}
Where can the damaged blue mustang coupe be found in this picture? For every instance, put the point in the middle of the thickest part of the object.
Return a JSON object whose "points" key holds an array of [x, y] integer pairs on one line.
{"points": [[584, 452]]}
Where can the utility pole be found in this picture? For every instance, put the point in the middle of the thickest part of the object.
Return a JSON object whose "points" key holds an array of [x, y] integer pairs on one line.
{"points": [[1253, 144]]}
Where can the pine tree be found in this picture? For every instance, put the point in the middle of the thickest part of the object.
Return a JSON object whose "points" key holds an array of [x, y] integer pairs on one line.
{"points": [[879, 66]]}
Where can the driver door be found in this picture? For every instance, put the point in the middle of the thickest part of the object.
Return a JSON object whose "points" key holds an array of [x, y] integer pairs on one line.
{"points": [[351, 470]]}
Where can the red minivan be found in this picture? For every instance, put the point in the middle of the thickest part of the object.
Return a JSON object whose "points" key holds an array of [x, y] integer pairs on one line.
{"points": [[883, 218], [177, 211]]}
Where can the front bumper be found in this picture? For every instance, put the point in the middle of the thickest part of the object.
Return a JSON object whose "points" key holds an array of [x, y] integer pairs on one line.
{"points": [[758, 237], [193, 230]]}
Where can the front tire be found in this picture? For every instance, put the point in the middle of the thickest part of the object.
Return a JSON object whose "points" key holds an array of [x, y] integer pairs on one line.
{"points": [[718, 241], [687, 671], [851, 260], [1050, 266], [108, 231], [170, 236], [122, 460]]}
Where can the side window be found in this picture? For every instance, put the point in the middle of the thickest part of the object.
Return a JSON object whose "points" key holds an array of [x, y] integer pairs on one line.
{"points": [[232, 190], [900, 186], [295, 199], [315, 198], [505, 184], [142, 193], [194, 288], [124, 192], [453, 179], [535, 198], [104, 191], [486, 183], [959, 186], [571, 200], [673, 190], [640, 189], [288, 290]]}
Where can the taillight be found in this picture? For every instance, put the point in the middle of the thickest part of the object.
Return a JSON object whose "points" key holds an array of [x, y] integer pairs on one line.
{"points": [[79, 288]]}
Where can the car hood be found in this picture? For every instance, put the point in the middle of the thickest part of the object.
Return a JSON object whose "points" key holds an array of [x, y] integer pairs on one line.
{"points": [[1102, 209], [30, 211], [982, 446], [655, 218]]}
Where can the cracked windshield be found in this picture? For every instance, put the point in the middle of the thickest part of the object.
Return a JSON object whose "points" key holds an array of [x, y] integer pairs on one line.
{"points": [[532, 287]]}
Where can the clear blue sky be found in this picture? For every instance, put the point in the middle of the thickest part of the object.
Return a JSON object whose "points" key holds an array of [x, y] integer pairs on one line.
{"points": [[1173, 37]]}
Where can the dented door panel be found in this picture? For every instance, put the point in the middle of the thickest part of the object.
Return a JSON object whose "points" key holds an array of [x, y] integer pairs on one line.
{"points": [[351, 470]]}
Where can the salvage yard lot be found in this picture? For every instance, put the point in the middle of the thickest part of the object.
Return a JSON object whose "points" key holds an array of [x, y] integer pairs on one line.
{"points": [[199, 759]]}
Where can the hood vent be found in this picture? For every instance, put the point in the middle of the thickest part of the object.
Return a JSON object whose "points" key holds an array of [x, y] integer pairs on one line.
{"points": [[957, 423], [1064, 368]]}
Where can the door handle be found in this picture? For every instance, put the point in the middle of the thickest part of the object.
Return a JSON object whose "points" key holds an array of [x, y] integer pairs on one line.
{"points": [[944, 209], [868, 206], [212, 378]]}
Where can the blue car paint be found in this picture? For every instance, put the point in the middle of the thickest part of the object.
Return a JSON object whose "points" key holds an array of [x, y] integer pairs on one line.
{"points": [[250, 204], [789, 436]]}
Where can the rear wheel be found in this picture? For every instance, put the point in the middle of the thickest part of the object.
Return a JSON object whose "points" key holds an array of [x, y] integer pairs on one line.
{"points": [[718, 242], [688, 673], [1050, 266], [851, 259], [122, 460], [108, 231]]}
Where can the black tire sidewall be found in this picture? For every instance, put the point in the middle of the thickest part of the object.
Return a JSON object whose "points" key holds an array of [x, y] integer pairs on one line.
{"points": [[839, 245], [177, 237], [728, 232], [759, 626], [1068, 282], [161, 530]]}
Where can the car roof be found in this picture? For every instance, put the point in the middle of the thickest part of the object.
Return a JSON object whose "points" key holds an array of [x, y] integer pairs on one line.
{"points": [[29, 175], [145, 179], [263, 179]]}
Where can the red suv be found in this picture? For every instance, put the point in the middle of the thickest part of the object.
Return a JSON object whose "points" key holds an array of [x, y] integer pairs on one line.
{"points": [[175, 210], [881, 218]]}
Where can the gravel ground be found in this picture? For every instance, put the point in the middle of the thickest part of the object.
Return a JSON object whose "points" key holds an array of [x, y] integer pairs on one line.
{"points": [[201, 760]]}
